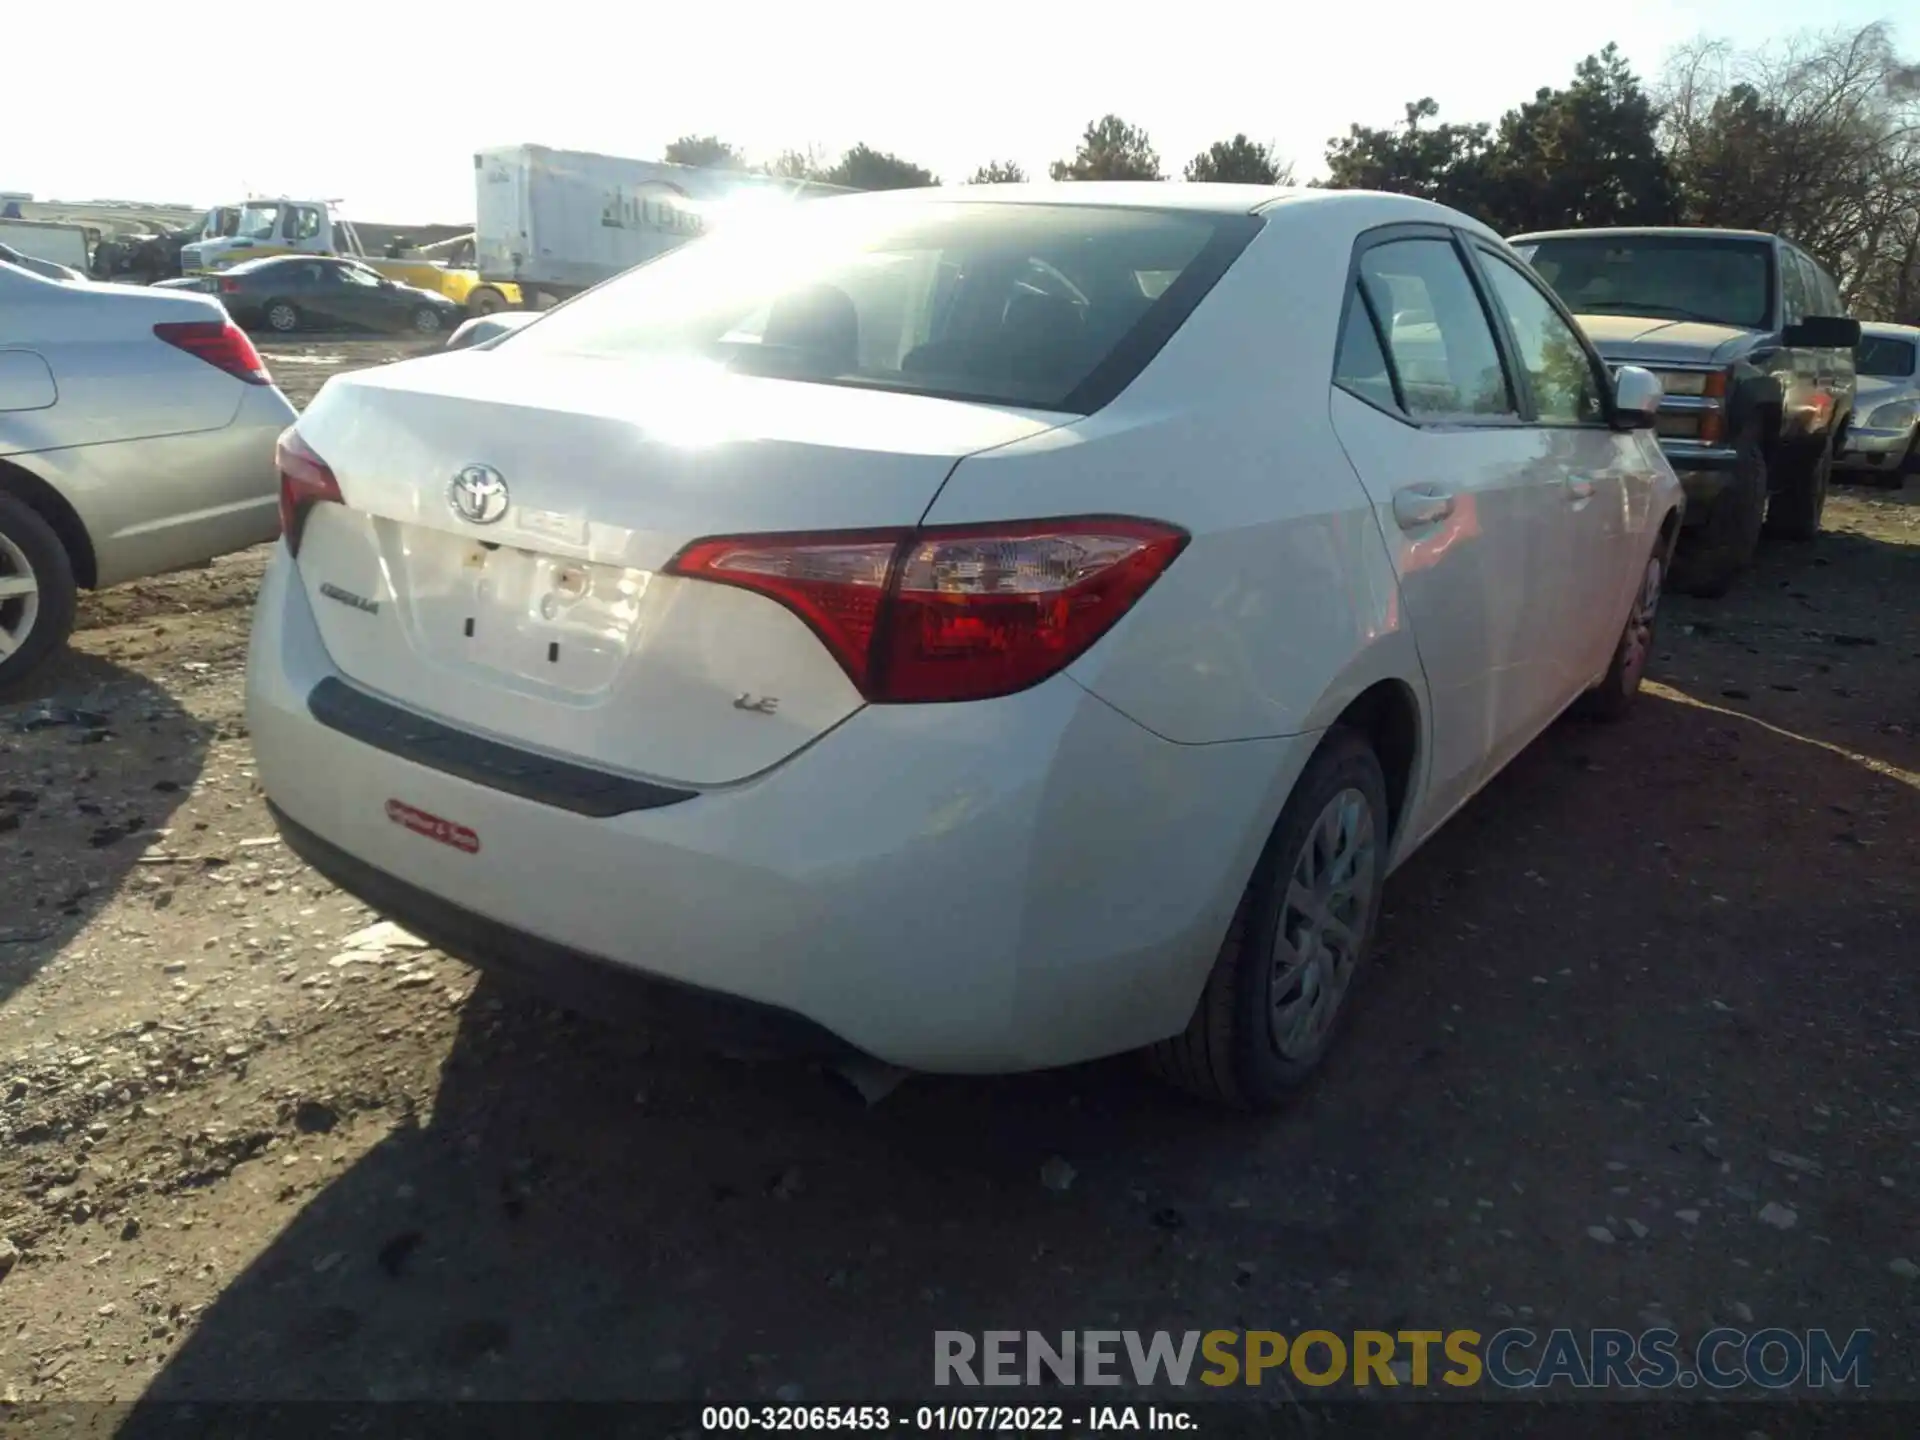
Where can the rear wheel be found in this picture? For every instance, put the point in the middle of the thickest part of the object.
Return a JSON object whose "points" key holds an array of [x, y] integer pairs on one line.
{"points": [[485, 301], [37, 591], [1613, 697], [282, 317], [426, 320], [1280, 983], [1794, 513]]}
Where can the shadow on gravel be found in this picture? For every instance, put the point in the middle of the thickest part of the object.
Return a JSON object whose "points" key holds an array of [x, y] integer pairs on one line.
{"points": [[1646, 957], [93, 759]]}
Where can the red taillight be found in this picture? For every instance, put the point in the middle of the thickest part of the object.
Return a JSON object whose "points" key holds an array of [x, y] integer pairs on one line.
{"points": [[229, 287], [305, 481], [952, 613], [220, 343]]}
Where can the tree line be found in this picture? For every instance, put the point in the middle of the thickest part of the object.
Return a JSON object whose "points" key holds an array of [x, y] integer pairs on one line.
{"points": [[1815, 137]]}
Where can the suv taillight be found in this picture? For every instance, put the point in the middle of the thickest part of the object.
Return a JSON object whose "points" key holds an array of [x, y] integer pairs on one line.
{"points": [[220, 343], [955, 612], [305, 481]]}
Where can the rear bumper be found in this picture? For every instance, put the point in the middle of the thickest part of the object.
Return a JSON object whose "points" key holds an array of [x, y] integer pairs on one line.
{"points": [[998, 886], [585, 982]]}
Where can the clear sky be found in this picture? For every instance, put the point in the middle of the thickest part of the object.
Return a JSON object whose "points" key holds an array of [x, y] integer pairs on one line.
{"points": [[382, 107]]}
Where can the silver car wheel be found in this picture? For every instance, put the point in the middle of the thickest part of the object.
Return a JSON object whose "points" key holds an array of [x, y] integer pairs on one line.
{"points": [[1322, 919], [19, 597], [283, 317], [1638, 640]]}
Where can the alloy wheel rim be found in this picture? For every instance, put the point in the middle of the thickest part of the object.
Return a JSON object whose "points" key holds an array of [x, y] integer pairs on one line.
{"points": [[19, 597], [281, 317], [1322, 924], [426, 322], [1638, 641]]}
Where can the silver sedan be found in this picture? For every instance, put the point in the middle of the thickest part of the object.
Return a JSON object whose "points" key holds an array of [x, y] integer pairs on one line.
{"points": [[1882, 444], [136, 436]]}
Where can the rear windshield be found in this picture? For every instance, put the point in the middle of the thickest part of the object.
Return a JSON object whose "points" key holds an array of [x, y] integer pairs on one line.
{"points": [[1053, 307], [1721, 282], [1884, 356]]}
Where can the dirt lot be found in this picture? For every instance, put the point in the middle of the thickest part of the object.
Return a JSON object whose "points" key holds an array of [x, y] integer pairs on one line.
{"points": [[1641, 1047]]}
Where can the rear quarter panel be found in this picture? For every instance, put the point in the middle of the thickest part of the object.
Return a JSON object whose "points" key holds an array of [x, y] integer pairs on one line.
{"points": [[1284, 606], [116, 380]]}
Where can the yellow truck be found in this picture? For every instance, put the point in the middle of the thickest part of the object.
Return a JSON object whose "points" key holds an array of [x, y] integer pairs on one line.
{"points": [[448, 269]]}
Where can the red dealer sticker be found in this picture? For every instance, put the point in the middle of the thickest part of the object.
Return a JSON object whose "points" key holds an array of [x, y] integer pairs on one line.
{"points": [[433, 827]]}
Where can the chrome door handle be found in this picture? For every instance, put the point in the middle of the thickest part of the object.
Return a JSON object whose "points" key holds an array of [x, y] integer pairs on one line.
{"points": [[1580, 487], [1420, 505]]}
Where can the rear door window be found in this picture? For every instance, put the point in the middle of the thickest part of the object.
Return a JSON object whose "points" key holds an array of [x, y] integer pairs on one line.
{"points": [[1440, 341], [1360, 368], [1827, 292]]}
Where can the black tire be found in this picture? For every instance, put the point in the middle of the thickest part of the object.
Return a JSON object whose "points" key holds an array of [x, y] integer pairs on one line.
{"points": [[1614, 696], [54, 598], [1711, 558], [280, 316], [426, 320], [1228, 1055], [1794, 513], [486, 301], [1894, 477]]}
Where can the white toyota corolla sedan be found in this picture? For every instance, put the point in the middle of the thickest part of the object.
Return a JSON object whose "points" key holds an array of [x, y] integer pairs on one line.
{"points": [[986, 629]]}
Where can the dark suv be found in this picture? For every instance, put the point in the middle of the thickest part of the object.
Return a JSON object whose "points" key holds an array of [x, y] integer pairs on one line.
{"points": [[1755, 348]]}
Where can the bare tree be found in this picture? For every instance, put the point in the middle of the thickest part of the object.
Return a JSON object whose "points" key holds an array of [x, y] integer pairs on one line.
{"points": [[1816, 138]]}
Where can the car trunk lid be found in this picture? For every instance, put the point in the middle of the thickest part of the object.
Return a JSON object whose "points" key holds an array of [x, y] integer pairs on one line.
{"points": [[551, 624]]}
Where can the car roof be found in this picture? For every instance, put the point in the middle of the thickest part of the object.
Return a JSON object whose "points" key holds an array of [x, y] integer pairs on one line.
{"points": [[1361, 207], [262, 262], [1675, 232]]}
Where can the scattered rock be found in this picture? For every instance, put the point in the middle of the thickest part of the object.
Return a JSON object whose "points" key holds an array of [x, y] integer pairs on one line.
{"points": [[315, 1117], [1902, 1267], [1687, 1217], [394, 1254], [9, 1257], [1781, 1217], [384, 936], [1057, 1174], [1639, 1231], [1798, 1163], [1600, 1233]]}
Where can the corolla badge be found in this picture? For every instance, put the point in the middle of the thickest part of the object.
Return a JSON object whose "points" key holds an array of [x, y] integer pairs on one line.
{"points": [[478, 494]]}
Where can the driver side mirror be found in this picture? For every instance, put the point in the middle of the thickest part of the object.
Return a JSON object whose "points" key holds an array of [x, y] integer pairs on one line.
{"points": [[1823, 332], [1637, 394]]}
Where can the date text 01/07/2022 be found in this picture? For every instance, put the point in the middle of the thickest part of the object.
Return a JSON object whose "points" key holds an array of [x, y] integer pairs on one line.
{"points": [[944, 1419]]}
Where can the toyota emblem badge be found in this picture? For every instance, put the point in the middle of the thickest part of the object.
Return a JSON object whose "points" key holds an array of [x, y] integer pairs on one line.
{"points": [[478, 494]]}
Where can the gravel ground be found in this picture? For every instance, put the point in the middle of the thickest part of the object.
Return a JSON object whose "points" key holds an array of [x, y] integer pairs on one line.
{"points": [[1641, 1047]]}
